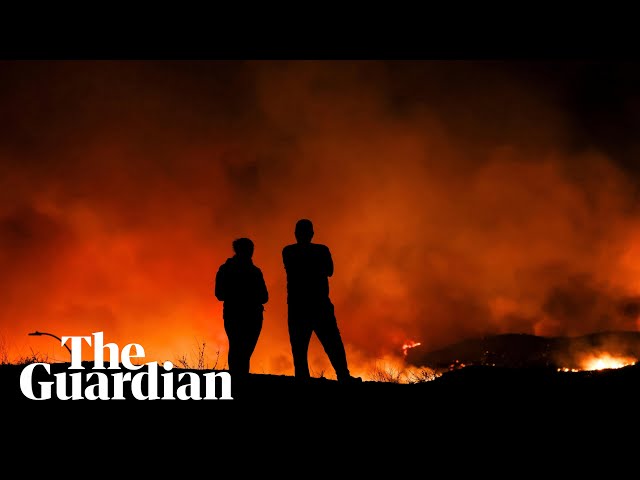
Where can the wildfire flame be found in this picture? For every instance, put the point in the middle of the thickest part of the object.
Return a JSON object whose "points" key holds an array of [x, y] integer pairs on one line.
{"points": [[407, 345], [601, 361], [604, 361]]}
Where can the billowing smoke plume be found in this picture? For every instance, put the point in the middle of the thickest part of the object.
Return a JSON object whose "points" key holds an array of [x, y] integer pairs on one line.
{"points": [[458, 199]]}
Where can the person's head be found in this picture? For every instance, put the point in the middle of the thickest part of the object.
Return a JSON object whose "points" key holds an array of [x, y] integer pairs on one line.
{"points": [[304, 231], [243, 247]]}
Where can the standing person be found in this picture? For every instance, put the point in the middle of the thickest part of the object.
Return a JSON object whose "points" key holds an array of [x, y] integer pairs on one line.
{"points": [[241, 286], [308, 267]]}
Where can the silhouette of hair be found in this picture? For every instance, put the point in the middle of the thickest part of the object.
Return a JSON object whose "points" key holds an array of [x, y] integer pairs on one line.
{"points": [[243, 247], [304, 230]]}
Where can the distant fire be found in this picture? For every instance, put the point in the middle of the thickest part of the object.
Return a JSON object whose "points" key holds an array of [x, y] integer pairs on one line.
{"points": [[407, 345], [601, 361], [457, 365]]}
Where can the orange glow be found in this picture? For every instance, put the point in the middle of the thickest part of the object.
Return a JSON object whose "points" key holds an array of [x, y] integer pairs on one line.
{"points": [[605, 361], [600, 361], [123, 184]]}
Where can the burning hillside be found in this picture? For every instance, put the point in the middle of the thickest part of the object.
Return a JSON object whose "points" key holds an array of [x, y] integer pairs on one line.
{"points": [[604, 350], [600, 361]]}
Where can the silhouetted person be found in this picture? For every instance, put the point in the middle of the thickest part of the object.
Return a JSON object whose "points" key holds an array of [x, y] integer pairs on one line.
{"points": [[241, 286], [308, 267]]}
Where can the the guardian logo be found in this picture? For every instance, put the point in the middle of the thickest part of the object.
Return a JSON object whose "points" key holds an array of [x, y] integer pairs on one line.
{"points": [[112, 385]]}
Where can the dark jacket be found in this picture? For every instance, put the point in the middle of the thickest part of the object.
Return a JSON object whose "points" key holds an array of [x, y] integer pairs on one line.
{"points": [[241, 286], [308, 268]]}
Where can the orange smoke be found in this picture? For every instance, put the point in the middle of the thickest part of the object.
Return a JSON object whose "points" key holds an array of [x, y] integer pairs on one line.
{"points": [[455, 199]]}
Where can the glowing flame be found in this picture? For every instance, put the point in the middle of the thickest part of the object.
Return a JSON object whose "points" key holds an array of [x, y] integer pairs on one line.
{"points": [[456, 365], [409, 344], [604, 361], [601, 361]]}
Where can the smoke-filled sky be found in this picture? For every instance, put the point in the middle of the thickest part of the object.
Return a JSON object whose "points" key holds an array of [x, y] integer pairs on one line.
{"points": [[459, 198]]}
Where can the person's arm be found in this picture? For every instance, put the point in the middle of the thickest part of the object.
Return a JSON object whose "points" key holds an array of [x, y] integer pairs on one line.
{"points": [[285, 258], [329, 263], [220, 285], [263, 296]]}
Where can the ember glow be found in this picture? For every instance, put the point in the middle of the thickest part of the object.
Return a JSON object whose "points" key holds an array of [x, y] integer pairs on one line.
{"points": [[457, 365]]}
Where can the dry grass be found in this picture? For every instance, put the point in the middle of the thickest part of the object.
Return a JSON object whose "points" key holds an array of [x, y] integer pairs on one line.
{"points": [[33, 357], [4, 351], [197, 359], [421, 375], [388, 374]]}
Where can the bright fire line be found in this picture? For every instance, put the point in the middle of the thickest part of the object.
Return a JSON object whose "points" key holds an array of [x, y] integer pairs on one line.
{"points": [[602, 361]]}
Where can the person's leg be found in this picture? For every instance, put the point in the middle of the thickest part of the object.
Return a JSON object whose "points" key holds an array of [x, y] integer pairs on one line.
{"points": [[234, 354], [326, 328], [243, 332], [299, 336], [254, 327], [242, 355]]}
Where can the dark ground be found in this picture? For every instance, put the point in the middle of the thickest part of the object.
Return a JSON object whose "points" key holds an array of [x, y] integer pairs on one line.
{"points": [[468, 391], [475, 421]]}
